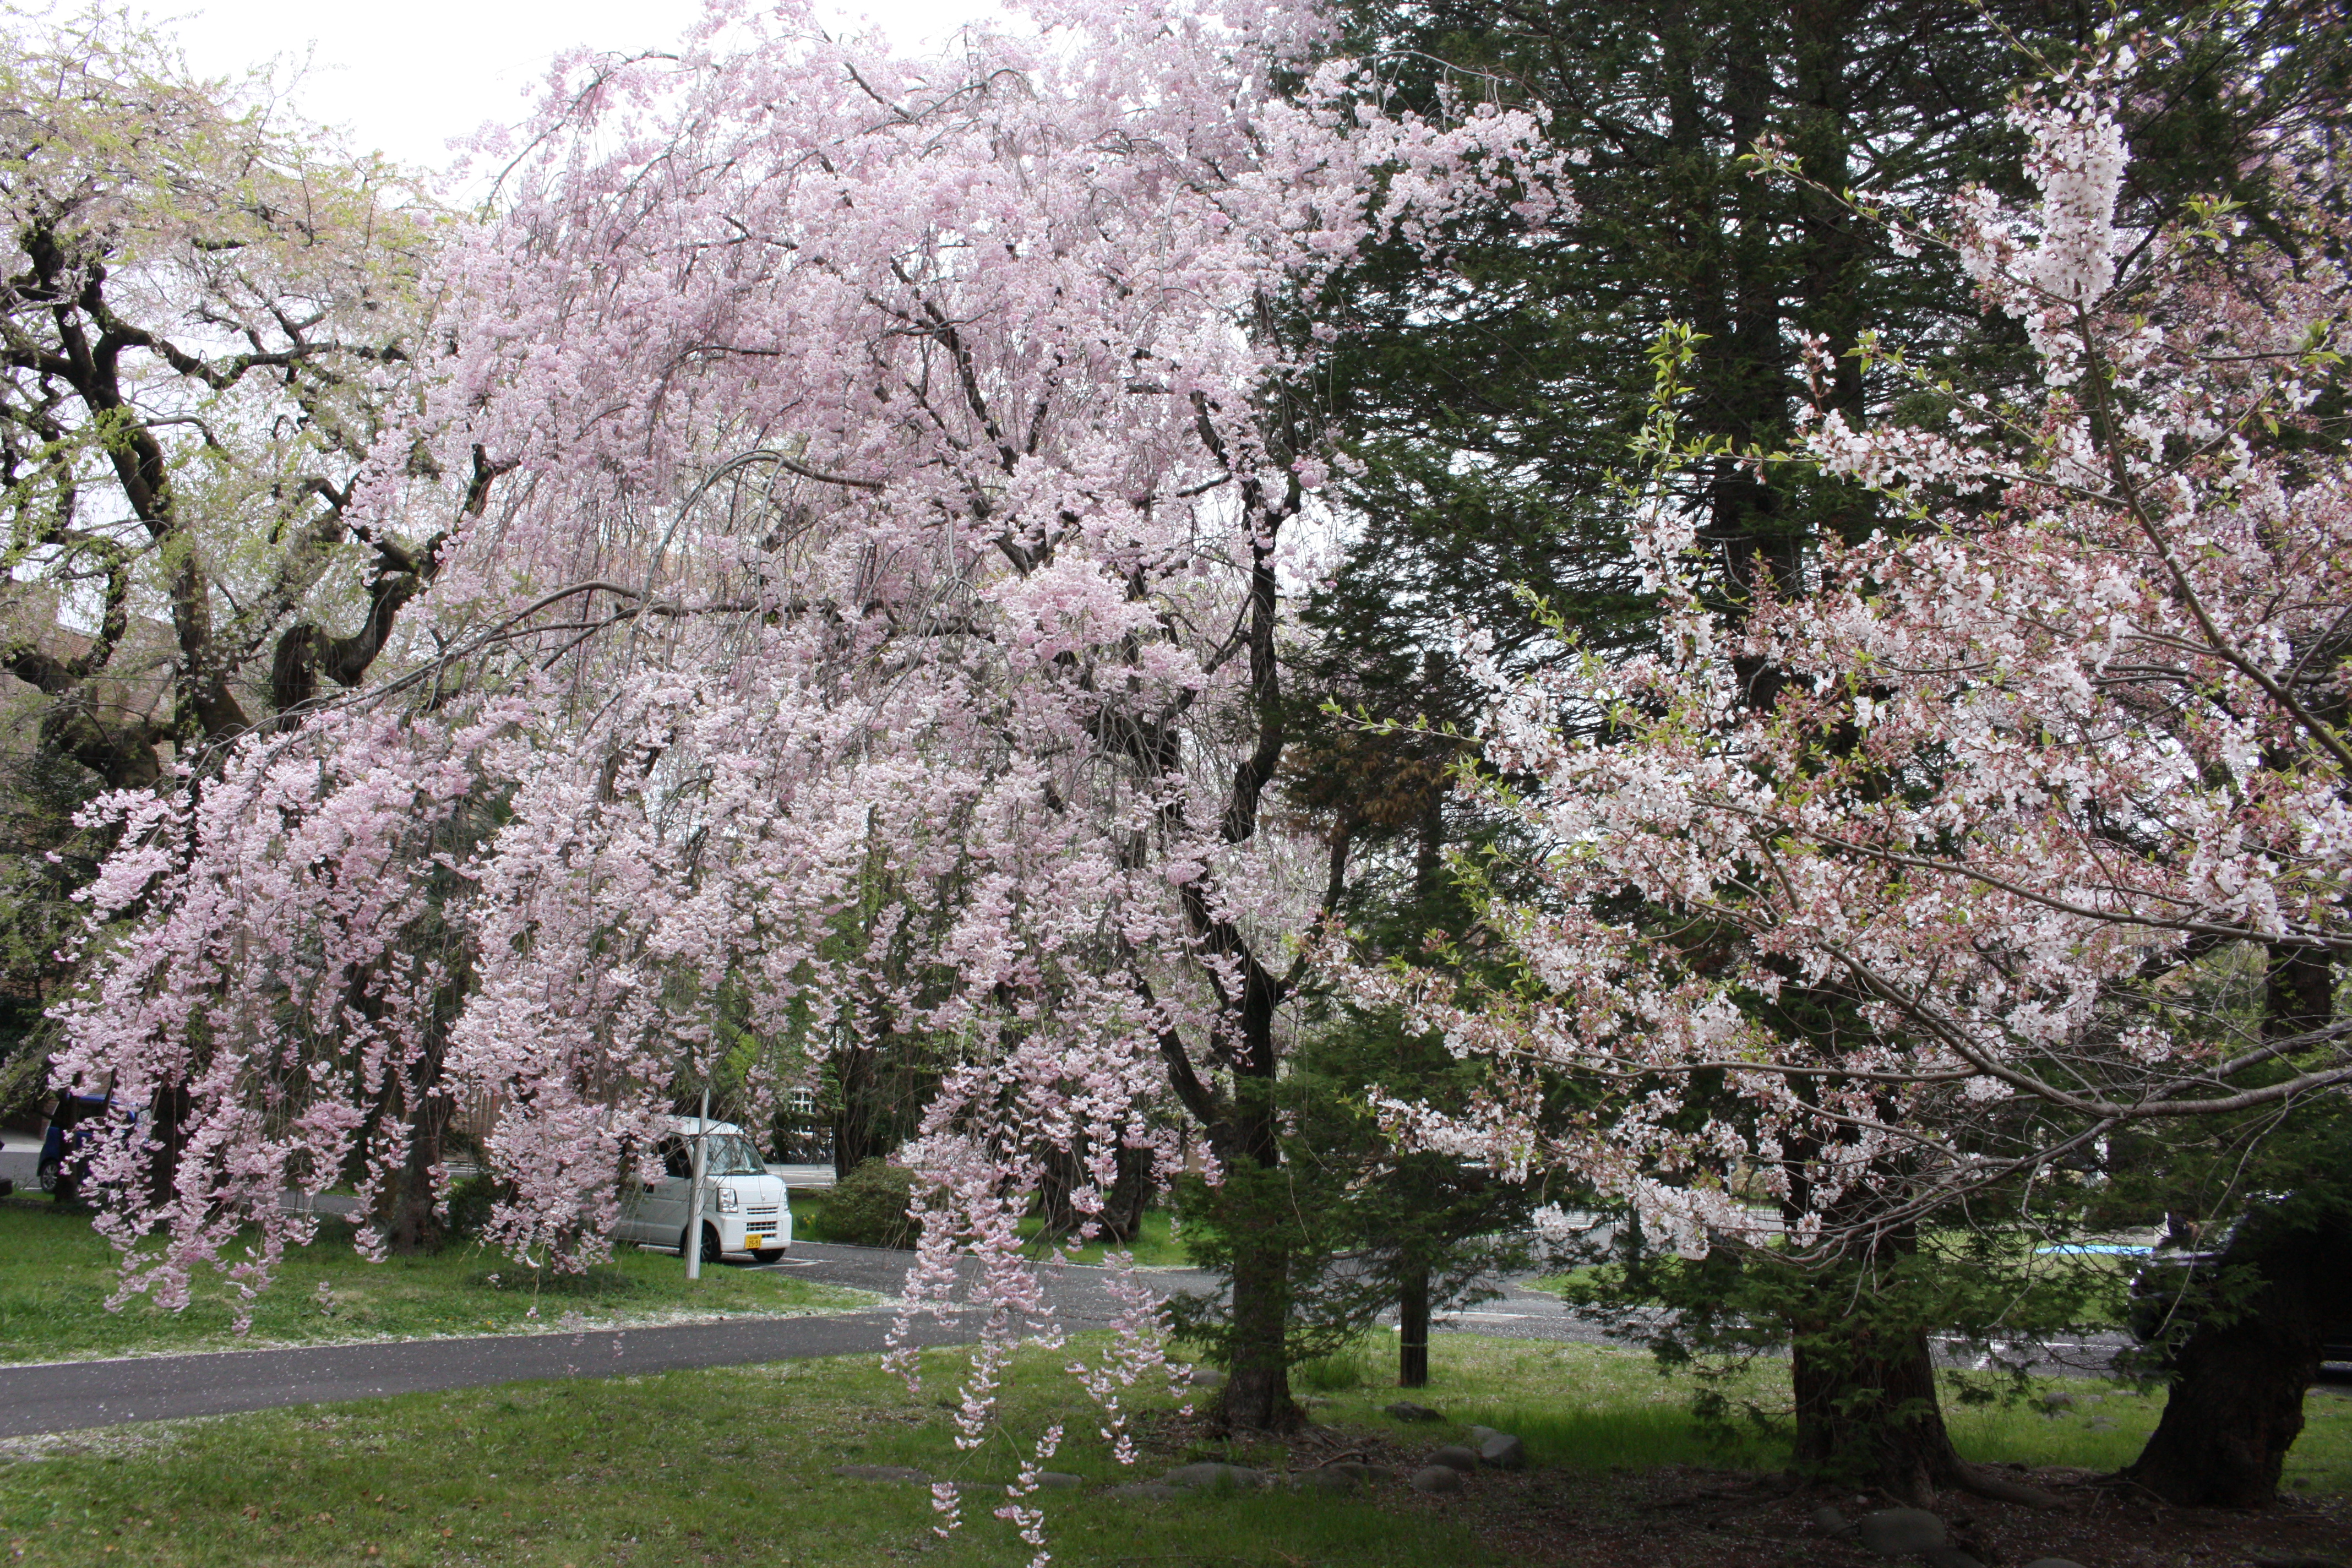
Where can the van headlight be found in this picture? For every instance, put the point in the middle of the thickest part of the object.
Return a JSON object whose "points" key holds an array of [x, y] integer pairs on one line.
{"points": [[729, 1200]]}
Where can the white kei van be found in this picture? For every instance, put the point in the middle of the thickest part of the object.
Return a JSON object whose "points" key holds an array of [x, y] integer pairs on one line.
{"points": [[744, 1209]]}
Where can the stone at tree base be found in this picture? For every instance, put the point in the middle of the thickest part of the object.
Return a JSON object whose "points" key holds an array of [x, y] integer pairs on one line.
{"points": [[1455, 1456], [1436, 1478], [1147, 1489], [1210, 1475], [1502, 1452], [1831, 1522], [1207, 1377], [1406, 1410], [882, 1473], [1362, 1471], [1900, 1532]]}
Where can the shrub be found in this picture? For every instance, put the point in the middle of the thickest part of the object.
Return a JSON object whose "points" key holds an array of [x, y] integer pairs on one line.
{"points": [[470, 1208], [868, 1208]]}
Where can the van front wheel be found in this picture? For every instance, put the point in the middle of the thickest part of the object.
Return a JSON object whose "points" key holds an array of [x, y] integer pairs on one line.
{"points": [[709, 1243]]}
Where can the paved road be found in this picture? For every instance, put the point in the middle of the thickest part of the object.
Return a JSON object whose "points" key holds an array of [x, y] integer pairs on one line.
{"points": [[71, 1395], [61, 1396]]}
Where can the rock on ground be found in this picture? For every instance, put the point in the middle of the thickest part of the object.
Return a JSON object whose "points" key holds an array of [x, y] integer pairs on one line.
{"points": [[1502, 1452], [1457, 1456], [1900, 1532], [1362, 1471], [1436, 1478], [1210, 1475], [882, 1473]]}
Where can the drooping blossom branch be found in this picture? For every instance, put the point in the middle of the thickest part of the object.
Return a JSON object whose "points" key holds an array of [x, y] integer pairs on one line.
{"points": [[897, 456]]}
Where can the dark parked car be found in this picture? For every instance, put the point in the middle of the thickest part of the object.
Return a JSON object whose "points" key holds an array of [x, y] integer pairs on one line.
{"points": [[2165, 1291], [78, 1119]]}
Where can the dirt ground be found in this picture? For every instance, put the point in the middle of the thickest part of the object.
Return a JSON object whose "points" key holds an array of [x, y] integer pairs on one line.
{"points": [[1687, 1517], [1677, 1515]]}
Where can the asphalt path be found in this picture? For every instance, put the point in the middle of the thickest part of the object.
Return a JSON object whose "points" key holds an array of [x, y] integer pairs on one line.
{"points": [[66, 1396], [62, 1396]]}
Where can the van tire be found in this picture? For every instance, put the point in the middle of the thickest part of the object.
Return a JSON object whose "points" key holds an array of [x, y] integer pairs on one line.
{"points": [[709, 1243]]}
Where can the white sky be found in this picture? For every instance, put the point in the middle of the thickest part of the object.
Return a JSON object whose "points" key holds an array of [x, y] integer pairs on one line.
{"points": [[405, 76]]}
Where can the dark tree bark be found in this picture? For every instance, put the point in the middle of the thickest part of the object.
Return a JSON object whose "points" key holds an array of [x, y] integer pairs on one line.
{"points": [[2259, 1313], [854, 1136], [1120, 1218], [1868, 1414], [1257, 1385], [167, 1117], [416, 1227], [882, 1087], [1412, 1328]]}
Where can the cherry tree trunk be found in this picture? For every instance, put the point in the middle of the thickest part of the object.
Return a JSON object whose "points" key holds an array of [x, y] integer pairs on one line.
{"points": [[1129, 1197], [167, 1135], [1120, 1218], [2236, 1404], [862, 1127], [415, 1227], [1867, 1413]]}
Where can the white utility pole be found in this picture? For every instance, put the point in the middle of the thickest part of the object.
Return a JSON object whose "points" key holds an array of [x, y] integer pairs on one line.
{"points": [[694, 1199]]}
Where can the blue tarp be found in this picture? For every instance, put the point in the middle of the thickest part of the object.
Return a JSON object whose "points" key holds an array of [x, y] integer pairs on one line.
{"points": [[2099, 1247]]}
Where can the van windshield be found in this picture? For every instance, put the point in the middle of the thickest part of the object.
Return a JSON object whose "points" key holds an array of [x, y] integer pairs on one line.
{"points": [[730, 1155]]}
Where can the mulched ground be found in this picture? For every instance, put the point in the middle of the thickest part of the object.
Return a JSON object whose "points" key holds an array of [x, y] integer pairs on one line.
{"points": [[1676, 1516], [1681, 1516]]}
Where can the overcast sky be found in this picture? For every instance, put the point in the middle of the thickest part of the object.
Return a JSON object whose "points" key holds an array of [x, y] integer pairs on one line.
{"points": [[407, 75]]}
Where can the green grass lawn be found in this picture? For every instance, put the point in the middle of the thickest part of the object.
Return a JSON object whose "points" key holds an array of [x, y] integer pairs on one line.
{"points": [[56, 1274], [1590, 1408], [1155, 1246], [732, 1466], [719, 1466]]}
